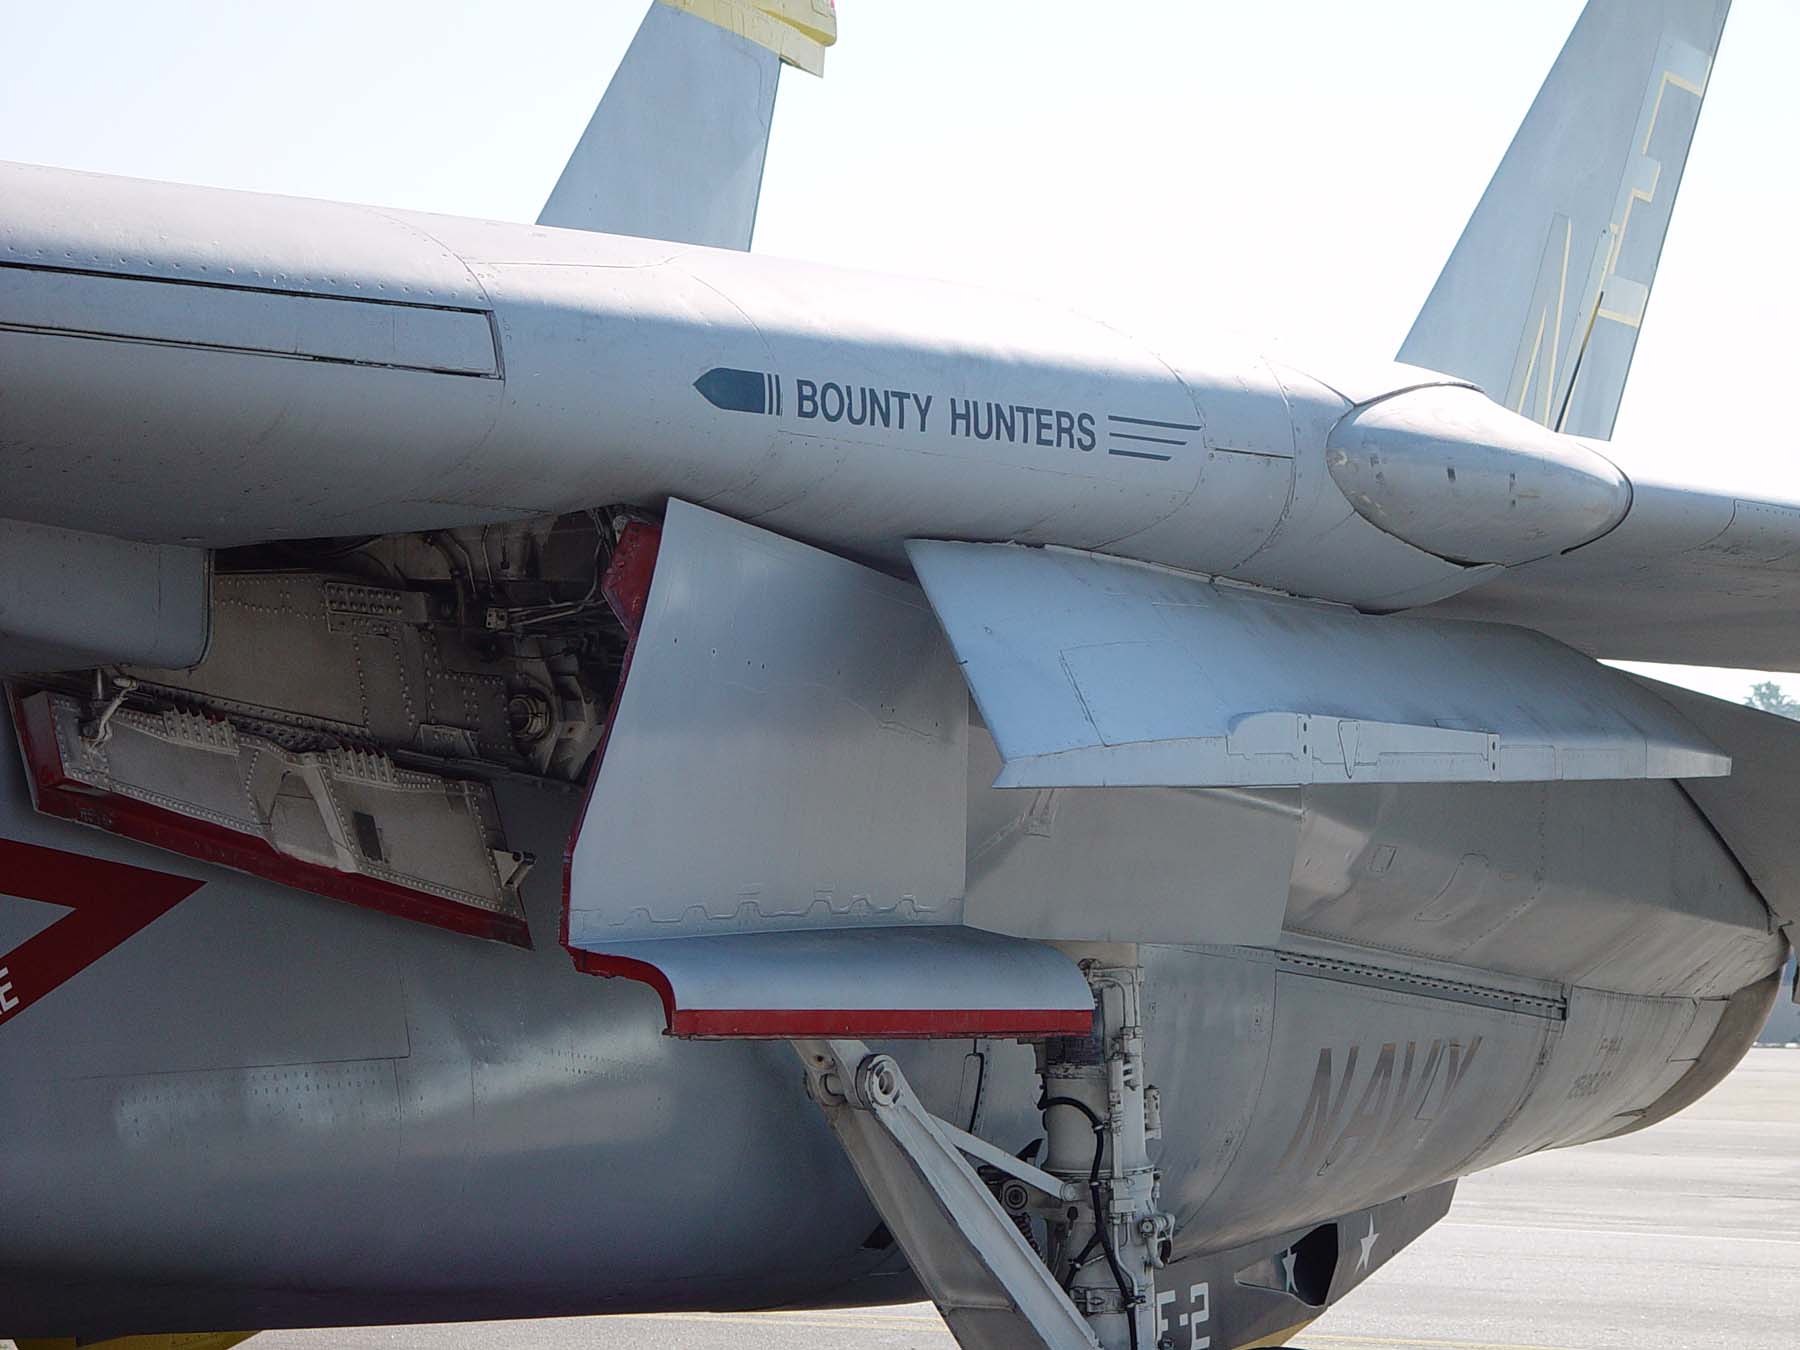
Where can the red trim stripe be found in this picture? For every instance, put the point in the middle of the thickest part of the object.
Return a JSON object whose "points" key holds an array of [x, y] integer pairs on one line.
{"points": [[789, 1023], [883, 1023]]}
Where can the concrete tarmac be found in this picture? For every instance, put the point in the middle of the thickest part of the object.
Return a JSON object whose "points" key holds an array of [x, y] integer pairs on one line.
{"points": [[1682, 1237]]}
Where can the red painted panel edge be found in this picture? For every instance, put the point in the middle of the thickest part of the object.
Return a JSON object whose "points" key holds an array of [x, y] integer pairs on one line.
{"points": [[763, 1024], [56, 796], [623, 968], [886, 1023]]}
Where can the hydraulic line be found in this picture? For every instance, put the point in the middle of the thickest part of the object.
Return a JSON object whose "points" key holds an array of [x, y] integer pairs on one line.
{"points": [[1102, 1221]]}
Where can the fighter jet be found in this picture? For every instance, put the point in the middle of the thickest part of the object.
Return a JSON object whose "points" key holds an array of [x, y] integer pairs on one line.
{"points": [[575, 767]]}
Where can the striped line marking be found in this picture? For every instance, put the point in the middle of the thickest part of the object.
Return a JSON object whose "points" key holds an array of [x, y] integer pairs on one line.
{"points": [[1143, 436], [1152, 422]]}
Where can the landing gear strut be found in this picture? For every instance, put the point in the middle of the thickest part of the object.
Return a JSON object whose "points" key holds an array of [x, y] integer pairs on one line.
{"points": [[1095, 1195]]}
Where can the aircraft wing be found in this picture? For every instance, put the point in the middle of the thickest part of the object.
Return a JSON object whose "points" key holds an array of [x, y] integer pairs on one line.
{"points": [[1691, 576], [1094, 672]]}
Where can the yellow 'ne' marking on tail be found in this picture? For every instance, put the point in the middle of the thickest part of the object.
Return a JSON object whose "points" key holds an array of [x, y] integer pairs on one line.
{"points": [[1682, 83], [1537, 346], [1562, 301], [798, 31]]}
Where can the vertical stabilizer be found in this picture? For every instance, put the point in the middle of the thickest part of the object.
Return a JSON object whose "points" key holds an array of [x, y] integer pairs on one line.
{"points": [[1542, 300], [676, 148]]}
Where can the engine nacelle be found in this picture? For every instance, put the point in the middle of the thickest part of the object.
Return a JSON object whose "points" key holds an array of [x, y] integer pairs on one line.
{"points": [[1450, 471]]}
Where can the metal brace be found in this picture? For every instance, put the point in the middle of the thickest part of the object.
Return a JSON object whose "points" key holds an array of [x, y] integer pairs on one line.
{"points": [[991, 1287], [1097, 1192]]}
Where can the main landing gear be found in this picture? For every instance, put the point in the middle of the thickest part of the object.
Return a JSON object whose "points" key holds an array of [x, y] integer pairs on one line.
{"points": [[1061, 1256]]}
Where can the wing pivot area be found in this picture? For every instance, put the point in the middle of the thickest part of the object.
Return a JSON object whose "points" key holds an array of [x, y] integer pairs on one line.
{"points": [[775, 835], [1095, 672]]}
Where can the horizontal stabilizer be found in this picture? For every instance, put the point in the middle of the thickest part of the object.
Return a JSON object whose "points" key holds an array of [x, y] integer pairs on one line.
{"points": [[1096, 672], [913, 982], [676, 148], [1543, 298], [1692, 576]]}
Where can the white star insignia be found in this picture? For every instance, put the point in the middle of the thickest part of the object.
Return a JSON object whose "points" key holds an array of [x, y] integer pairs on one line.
{"points": [[1368, 1245]]}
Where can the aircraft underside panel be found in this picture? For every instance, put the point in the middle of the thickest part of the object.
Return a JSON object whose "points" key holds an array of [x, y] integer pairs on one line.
{"points": [[264, 1108], [1095, 672]]}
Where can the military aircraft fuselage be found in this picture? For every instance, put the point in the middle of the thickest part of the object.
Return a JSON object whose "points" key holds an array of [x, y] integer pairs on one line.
{"points": [[229, 1103], [265, 1108], [249, 368]]}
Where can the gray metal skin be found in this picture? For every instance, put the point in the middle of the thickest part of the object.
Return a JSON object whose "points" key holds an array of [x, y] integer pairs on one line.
{"points": [[1783, 1026], [659, 162], [1094, 672], [87, 597], [1542, 301], [271, 1109], [587, 394], [529, 370]]}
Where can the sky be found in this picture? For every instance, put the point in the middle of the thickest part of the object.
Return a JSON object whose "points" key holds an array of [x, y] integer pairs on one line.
{"points": [[1292, 170]]}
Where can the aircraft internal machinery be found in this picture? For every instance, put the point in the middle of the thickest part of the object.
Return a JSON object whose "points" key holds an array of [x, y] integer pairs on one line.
{"points": [[573, 767]]}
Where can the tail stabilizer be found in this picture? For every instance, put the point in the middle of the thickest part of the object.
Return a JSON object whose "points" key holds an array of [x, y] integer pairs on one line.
{"points": [[1543, 298], [676, 148]]}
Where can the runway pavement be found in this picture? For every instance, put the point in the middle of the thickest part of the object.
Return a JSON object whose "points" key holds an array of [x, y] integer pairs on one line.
{"points": [[1682, 1237]]}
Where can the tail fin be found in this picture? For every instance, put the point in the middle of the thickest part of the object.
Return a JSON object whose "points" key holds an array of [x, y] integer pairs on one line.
{"points": [[1542, 300], [676, 148]]}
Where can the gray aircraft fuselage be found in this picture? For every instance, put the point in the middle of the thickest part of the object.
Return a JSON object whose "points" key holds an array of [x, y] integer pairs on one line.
{"points": [[269, 1109], [266, 1108], [397, 372]]}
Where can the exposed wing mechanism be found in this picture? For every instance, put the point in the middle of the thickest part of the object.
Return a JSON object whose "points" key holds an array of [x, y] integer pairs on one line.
{"points": [[676, 148], [1093, 672]]}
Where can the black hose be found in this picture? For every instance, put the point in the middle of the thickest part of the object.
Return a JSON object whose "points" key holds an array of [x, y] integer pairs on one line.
{"points": [[1102, 1223], [1127, 1291], [1081, 1260]]}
